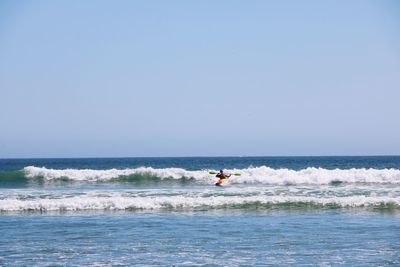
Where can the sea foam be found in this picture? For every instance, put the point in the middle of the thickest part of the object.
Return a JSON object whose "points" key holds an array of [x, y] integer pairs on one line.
{"points": [[257, 175], [182, 202]]}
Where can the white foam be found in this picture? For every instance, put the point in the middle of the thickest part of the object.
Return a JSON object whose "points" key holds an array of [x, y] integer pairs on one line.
{"points": [[95, 175], [263, 175], [120, 202], [312, 175]]}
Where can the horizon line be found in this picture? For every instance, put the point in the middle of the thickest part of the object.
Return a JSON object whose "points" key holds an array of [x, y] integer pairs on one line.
{"points": [[243, 156]]}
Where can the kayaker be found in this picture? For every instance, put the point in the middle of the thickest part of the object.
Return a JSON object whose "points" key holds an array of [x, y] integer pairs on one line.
{"points": [[222, 177]]}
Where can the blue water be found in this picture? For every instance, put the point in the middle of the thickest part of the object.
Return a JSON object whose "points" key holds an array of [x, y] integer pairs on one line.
{"points": [[193, 163], [291, 211]]}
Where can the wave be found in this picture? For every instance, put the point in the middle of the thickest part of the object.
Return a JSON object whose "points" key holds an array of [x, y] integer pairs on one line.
{"points": [[142, 174], [14, 176], [257, 175], [101, 202]]}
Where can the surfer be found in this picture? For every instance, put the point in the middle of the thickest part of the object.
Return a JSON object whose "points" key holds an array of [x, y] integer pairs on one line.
{"points": [[222, 177]]}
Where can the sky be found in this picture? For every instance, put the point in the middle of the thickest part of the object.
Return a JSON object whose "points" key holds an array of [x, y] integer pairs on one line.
{"points": [[199, 78]]}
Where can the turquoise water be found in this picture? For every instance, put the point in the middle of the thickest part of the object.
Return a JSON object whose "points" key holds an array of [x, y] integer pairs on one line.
{"points": [[294, 211]]}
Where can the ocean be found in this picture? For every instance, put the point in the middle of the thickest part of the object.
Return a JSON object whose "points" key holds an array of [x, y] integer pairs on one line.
{"points": [[280, 211]]}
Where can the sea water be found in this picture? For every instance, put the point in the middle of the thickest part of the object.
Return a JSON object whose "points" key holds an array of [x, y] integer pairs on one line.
{"points": [[291, 211]]}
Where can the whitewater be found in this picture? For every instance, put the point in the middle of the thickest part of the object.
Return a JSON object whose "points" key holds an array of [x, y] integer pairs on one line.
{"points": [[43, 189], [193, 201], [258, 175], [291, 211]]}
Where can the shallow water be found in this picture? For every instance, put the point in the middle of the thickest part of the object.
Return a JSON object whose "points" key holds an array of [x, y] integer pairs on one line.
{"points": [[301, 239]]}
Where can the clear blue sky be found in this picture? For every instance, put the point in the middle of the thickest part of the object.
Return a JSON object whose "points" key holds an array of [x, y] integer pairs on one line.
{"points": [[199, 78]]}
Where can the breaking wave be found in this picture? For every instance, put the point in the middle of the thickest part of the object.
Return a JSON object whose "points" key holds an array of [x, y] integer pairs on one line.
{"points": [[257, 175], [84, 203]]}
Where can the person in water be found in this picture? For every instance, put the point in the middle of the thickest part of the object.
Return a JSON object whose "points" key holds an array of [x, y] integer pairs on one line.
{"points": [[222, 177]]}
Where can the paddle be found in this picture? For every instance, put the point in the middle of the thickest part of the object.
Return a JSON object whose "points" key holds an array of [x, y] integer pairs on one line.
{"points": [[214, 172]]}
